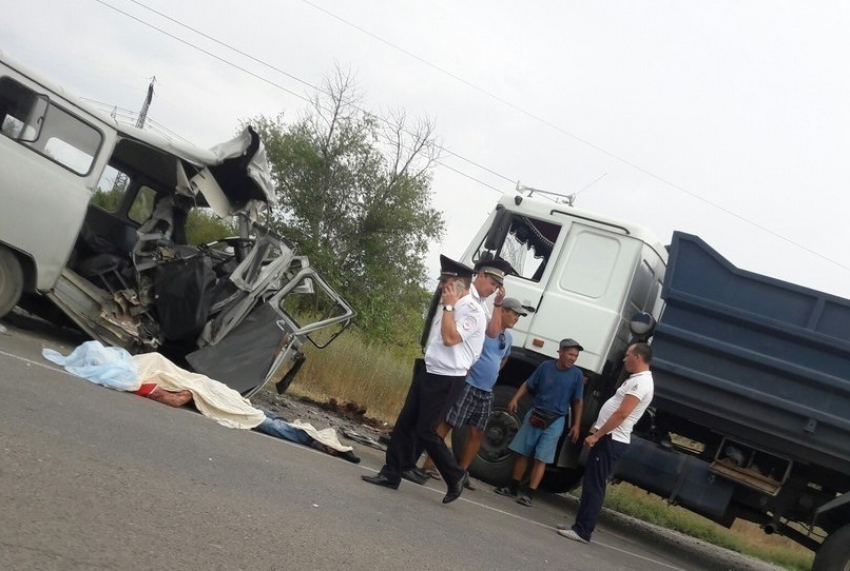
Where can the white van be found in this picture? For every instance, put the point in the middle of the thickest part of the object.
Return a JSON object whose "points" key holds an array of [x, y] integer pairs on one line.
{"points": [[96, 219]]}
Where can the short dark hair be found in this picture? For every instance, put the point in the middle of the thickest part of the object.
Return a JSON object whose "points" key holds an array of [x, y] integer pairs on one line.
{"points": [[644, 350]]}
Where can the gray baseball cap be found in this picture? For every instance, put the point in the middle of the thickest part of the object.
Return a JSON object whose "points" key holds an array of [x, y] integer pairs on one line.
{"points": [[566, 343], [514, 305]]}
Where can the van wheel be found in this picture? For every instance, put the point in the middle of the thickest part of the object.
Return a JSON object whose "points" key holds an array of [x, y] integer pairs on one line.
{"points": [[11, 281], [834, 552], [494, 462]]}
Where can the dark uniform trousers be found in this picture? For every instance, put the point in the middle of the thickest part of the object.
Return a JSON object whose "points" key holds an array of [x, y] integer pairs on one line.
{"points": [[601, 460], [418, 421]]}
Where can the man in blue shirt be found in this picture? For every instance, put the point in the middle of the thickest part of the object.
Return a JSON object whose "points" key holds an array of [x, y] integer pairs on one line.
{"points": [[555, 385], [473, 406]]}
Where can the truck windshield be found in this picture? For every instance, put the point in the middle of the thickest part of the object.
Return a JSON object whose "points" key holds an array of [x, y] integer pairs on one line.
{"points": [[527, 246]]}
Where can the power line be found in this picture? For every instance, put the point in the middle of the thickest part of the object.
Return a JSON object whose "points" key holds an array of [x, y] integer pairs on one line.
{"points": [[563, 131], [463, 81], [202, 50], [282, 72]]}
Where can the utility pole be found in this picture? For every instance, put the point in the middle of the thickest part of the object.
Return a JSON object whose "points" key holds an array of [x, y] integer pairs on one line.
{"points": [[121, 180], [143, 114]]}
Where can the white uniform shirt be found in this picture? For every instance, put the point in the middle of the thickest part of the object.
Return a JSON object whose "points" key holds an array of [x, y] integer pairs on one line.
{"points": [[477, 296], [639, 385], [455, 361]]}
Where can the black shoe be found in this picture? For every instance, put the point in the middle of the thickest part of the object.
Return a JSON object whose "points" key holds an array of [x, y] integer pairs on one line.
{"points": [[455, 490], [381, 480], [413, 475], [350, 456], [467, 484]]}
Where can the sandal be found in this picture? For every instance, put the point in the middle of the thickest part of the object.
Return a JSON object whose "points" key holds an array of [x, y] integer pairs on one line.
{"points": [[505, 491], [524, 501]]}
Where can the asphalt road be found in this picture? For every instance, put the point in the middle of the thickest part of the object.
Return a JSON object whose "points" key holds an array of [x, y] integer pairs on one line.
{"points": [[96, 479]]}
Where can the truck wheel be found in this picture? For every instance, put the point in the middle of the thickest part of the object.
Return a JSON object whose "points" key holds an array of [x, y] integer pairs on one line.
{"points": [[494, 462], [834, 552], [11, 281]]}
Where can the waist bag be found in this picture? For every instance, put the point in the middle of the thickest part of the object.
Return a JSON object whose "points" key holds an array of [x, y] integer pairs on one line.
{"points": [[541, 418]]}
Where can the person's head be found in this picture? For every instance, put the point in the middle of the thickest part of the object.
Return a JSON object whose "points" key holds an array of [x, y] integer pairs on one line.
{"points": [[638, 357], [512, 310], [455, 275], [491, 276], [568, 352]]}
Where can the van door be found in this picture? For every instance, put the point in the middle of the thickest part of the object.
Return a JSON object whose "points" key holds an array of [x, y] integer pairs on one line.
{"points": [[47, 168]]}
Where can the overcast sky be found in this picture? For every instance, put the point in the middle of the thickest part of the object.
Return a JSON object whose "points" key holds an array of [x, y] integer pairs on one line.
{"points": [[725, 119]]}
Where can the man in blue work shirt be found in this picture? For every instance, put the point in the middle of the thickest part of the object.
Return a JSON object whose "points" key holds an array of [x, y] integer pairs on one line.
{"points": [[555, 386]]}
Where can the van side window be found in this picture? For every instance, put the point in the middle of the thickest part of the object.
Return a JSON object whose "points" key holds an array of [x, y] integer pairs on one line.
{"points": [[142, 207], [527, 246], [111, 188], [34, 121]]}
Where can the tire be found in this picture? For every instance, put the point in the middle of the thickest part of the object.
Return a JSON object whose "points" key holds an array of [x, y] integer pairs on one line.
{"points": [[834, 552], [11, 281], [560, 480], [494, 462]]}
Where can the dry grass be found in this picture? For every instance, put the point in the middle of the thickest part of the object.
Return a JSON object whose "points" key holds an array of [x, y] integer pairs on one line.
{"points": [[377, 378], [351, 371]]}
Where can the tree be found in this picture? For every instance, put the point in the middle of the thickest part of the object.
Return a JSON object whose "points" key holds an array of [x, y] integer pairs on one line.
{"points": [[354, 195]]}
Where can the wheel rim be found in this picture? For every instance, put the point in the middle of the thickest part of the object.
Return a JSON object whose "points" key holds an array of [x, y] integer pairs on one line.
{"points": [[498, 433]]}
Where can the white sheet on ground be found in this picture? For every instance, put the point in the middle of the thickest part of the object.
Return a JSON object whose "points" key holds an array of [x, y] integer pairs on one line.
{"points": [[212, 398], [326, 436]]}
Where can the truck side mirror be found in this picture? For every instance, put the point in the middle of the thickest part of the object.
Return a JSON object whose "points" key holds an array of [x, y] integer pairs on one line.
{"points": [[497, 232]]}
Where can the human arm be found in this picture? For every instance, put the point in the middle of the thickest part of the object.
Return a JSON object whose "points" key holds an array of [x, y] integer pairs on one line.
{"points": [[513, 405], [626, 407], [494, 327], [448, 325], [577, 405]]}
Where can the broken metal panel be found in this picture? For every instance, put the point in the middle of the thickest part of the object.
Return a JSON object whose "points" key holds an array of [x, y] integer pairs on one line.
{"points": [[246, 358]]}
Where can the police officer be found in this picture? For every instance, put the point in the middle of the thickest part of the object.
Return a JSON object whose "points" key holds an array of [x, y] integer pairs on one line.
{"points": [[451, 350]]}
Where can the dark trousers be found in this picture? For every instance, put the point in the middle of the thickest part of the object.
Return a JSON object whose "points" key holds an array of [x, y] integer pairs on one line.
{"points": [[418, 421], [601, 460]]}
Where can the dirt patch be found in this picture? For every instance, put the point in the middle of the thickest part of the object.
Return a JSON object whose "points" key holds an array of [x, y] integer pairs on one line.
{"points": [[349, 419]]}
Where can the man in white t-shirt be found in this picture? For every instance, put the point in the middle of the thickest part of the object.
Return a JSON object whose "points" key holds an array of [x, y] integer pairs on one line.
{"points": [[609, 438]]}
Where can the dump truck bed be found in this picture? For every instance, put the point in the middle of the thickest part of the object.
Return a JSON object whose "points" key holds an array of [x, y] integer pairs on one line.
{"points": [[754, 358]]}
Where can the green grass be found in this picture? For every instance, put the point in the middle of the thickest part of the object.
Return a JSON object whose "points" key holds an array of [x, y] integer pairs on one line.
{"points": [[743, 537], [377, 377]]}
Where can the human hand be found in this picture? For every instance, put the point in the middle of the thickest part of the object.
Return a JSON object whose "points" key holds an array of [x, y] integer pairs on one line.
{"points": [[591, 440], [450, 295], [500, 295], [574, 434], [513, 406]]}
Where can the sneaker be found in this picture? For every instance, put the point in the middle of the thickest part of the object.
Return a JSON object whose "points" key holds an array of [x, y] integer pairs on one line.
{"points": [[505, 491], [564, 526], [570, 534], [524, 501]]}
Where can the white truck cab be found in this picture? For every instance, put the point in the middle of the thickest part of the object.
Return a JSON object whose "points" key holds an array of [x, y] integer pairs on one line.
{"points": [[580, 275]]}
